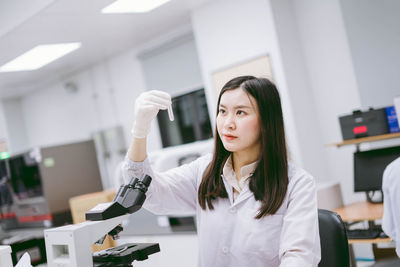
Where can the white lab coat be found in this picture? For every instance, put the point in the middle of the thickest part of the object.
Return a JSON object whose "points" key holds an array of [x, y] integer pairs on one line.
{"points": [[229, 236], [391, 202]]}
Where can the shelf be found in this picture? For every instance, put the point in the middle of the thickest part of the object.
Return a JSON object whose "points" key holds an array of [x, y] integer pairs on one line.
{"points": [[370, 241], [366, 139], [360, 211]]}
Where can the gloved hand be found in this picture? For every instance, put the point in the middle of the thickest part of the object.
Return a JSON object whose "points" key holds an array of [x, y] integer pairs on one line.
{"points": [[147, 106]]}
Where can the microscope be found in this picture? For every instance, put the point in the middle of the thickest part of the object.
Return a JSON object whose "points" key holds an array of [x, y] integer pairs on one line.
{"points": [[70, 245]]}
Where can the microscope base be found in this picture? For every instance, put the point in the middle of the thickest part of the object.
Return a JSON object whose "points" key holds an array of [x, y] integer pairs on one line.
{"points": [[124, 255]]}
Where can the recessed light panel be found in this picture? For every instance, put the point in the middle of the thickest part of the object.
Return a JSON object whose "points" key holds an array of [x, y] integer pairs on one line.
{"points": [[39, 56], [133, 6]]}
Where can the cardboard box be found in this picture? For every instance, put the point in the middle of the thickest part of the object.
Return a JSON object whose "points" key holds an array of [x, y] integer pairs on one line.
{"points": [[81, 204]]}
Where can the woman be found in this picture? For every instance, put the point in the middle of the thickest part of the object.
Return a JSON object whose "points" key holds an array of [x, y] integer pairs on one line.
{"points": [[253, 207]]}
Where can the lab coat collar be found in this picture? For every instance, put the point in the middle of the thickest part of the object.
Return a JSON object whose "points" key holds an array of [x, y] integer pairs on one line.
{"points": [[228, 189], [245, 194]]}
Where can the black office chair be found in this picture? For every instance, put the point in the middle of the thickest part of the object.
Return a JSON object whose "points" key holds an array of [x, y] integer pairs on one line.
{"points": [[334, 244]]}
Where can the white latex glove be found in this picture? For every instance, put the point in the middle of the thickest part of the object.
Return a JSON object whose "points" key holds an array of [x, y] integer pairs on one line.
{"points": [[147, 106]]}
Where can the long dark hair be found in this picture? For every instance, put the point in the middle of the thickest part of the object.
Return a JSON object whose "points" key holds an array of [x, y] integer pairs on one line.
{"points": [[270, 179]]}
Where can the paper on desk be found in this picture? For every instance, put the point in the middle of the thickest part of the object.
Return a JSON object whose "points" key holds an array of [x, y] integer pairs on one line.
{"points": [[25, 261]]}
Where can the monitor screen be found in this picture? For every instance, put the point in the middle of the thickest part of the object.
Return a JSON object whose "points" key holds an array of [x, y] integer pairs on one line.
{"points": [[369, 166], [25, 176], [3, 170], [5, 194]]}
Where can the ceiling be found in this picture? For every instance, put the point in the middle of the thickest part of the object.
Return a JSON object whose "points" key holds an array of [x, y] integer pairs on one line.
{"points": [[61, 21]]}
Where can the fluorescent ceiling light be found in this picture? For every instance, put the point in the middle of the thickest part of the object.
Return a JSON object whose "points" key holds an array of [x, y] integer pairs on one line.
{"points": [[39, 56], [133, 6]]}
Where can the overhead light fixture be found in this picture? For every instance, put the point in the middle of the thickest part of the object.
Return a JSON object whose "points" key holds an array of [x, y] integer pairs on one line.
{"points": [[39, 56], [133, 6]]}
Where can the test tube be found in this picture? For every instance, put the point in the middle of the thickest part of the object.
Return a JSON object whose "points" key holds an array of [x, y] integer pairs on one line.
{"points": [[170, 113]]}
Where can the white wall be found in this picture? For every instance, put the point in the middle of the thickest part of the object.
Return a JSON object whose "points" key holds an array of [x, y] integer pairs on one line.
{"points": [[229, 32], [173, 67], [3, 123], [332, 80], [104, 99], [15, 125], [373, 32], [300, 93], [312, 66], [55, 116], [350, 61]]}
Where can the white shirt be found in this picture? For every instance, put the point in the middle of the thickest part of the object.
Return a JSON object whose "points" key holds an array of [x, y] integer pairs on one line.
{"points": [[230, 176], [229, 236], [391, 202]]}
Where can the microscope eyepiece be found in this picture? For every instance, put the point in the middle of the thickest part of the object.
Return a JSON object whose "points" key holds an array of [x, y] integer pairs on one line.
{"points": [[146, 180], [133, 182], [129, 199]]}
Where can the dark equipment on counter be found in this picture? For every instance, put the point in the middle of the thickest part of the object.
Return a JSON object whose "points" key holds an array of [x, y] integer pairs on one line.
{"points": [[364, 123], [124, 255]]}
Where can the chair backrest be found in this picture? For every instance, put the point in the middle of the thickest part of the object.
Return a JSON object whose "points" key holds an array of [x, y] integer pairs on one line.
{"points": [[334, 244]]}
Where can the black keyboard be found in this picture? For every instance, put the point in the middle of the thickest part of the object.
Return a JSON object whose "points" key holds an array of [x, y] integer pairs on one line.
{"points": [[363, 233]]}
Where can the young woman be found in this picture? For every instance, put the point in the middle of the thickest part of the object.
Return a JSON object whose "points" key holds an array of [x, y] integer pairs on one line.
{"points": [[253, 207]]}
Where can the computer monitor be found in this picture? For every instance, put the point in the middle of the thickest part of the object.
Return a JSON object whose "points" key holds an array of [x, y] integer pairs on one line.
{"points": [[369, 166], [5, 193], [3, 170], [25, 176]]}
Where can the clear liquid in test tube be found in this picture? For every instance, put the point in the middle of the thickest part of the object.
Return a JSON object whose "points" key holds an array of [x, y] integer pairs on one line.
{"points": [[170, 113]]}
